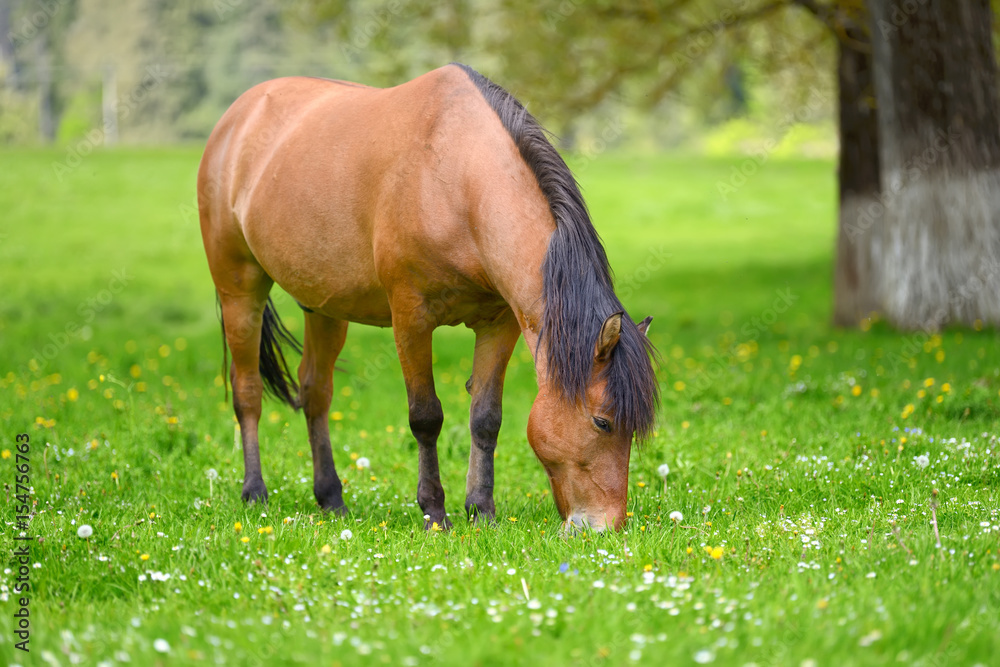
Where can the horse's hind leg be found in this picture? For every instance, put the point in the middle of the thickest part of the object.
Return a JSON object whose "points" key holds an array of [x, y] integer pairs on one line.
{"points": [[494, 345], [243, 316], [324, 339], [413, 343]]}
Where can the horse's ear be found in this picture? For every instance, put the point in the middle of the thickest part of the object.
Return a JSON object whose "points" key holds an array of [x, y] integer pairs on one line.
{"points": [[611, 331], [644, 326]]}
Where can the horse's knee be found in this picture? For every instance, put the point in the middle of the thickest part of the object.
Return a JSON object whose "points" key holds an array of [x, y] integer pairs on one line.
{"points": [[484, 423], [426, 419]]}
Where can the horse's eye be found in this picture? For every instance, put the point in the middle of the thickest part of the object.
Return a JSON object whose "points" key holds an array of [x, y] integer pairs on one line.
{"points": [[603, 424]]}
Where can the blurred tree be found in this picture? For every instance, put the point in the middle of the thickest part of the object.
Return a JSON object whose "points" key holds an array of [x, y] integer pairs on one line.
{"points": [[855, 276], [936, 82]]}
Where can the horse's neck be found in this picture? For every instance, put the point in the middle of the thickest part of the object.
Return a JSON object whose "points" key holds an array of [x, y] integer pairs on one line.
{"points": [[520, 282]]}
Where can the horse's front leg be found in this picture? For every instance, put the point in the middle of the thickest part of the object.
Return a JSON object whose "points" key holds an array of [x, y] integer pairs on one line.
{"points": [[413, 343], [494, 346]]}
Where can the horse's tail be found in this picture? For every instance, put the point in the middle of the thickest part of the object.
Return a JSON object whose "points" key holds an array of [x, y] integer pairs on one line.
{"points": [[279, 381]]}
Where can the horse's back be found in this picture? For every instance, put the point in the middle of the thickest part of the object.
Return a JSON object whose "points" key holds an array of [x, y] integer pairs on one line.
{"points": [[339, 189]]}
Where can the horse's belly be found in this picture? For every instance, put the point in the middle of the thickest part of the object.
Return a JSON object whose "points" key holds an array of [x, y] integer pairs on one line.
{"points": [[371, 307], [327, 282]]}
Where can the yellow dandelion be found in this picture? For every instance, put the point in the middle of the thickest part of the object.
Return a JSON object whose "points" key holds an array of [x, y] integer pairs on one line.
{"points": [[689, 550], [908, 410], [172, 419], [921, 394], [856, 390], [5, 454], [929, 382], [795, 362], [237, 526], [717, 553], [685, 424], [435, 527], [946, 388], [647, 567], [641, 485], [140, 387], [144, 557], [325, 549], [390, 428], [152, 515], [823, 604], [72, 394], [679, 386], [91, 384], [874, 393], [244, 539], [287, 520], [902, 440], [135, 371], [512, 519], [337, 416], [93, 443], [164, 350]]}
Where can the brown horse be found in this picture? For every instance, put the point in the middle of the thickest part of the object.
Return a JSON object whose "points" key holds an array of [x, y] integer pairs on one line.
{"points": [[437, 202]]}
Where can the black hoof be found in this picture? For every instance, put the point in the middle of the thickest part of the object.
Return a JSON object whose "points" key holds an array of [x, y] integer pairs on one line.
{"points": [[338, 510], [481, 513], [330, 496], [255, 492]]}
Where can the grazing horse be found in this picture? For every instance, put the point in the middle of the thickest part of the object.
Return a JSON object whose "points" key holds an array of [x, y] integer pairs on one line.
{"points": [[437, 202]]}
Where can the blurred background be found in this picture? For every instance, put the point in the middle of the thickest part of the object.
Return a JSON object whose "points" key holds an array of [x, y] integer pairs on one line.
{"points": [[905, 91]]}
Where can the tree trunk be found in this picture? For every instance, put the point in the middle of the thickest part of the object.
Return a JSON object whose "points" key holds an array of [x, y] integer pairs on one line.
{"points": [[855, 281], [43, 69], [8, 62], [936, 80]]}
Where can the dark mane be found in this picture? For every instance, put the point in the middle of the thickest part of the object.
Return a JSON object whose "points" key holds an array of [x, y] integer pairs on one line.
{"points": [[577, 282]]}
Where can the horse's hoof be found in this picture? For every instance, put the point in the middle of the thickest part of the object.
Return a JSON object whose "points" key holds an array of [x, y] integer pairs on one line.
{"points": [[254, 492], [441, 523], [338, 510], [481, 514]]}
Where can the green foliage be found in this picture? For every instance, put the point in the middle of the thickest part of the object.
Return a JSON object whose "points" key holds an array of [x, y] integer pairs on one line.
{"points": [[806, 531], [179, 65]]}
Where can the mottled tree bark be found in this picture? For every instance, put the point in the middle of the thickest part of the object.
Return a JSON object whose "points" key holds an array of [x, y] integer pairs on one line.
{"points": [[939, 131], [855, 282]]}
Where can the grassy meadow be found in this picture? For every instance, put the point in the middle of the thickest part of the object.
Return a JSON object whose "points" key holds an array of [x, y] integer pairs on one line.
{"points": [[803, 459]]}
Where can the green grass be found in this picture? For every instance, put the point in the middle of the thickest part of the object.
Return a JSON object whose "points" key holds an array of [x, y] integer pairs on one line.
{"points": [[785, 440]]}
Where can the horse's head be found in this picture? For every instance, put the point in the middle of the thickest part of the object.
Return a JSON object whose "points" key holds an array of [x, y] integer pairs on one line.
{"points": [[584, 448]]}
